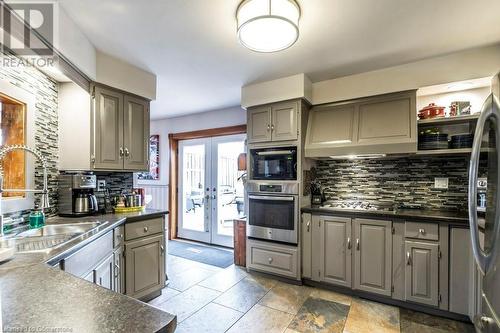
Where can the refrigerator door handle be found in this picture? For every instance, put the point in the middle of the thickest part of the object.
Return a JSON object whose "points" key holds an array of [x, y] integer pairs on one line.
{"points": [[490, 109]]}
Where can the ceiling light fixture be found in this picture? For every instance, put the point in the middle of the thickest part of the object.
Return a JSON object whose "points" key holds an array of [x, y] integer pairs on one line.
{"points": [[268, 25]]}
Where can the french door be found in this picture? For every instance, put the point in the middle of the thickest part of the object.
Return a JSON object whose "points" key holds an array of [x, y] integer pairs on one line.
{"points": [[211, 191]]}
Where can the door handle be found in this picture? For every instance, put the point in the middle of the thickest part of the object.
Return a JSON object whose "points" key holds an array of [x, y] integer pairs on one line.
{"points": [[348, 243], [490, 109], [268, 127], [408, 258], [162, 249], [272, 127], [121, 152], [127, 152], [117, 270], [357, 244], [308, 225]]}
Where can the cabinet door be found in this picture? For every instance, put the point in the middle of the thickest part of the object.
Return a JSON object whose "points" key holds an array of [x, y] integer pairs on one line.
{"points": [[144, 266], [306, 243], [284, 121], [373, 256], [259, 124], [388, 119], [461, 271], [136, 134], [421, 276], [104, 273], [118, 273], [336, 251], [107, 128]]}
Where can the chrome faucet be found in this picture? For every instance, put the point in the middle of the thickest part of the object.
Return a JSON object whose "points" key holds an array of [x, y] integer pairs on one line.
{"points": [[45, 192]]}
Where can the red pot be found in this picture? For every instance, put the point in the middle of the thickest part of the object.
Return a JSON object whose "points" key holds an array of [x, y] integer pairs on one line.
{"points": [[431, 111]]}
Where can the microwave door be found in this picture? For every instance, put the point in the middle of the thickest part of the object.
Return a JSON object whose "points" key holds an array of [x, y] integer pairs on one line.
{"points": [[487, 257]]}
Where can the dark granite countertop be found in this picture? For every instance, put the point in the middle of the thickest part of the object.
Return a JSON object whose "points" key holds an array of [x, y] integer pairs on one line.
{"points": [[35, 295], [413, 214]]}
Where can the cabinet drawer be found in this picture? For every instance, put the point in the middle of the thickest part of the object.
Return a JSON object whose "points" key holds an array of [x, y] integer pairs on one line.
{"points": [[118, 237], [422, 230], [275, 259], [143, 228]]}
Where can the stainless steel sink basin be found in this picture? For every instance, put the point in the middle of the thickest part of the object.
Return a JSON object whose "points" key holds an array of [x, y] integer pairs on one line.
{"points": [[47, 237], [60, 229]]}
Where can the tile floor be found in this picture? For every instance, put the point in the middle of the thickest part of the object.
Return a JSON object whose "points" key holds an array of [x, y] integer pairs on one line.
{"points": [[210, 299]]}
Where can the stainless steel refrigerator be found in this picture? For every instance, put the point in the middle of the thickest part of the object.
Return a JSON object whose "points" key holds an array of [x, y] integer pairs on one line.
{"points": [[485, 236]]}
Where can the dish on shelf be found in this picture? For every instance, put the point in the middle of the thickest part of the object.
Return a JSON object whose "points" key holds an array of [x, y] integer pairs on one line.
{"points": [[431, 111], [461, 141]]}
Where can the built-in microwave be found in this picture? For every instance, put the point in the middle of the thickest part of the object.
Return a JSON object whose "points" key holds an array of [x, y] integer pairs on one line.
{"points": [[277, 163]]}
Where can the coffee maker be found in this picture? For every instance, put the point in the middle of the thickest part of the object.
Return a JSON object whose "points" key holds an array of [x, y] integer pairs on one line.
{"points": [[76, 195]]}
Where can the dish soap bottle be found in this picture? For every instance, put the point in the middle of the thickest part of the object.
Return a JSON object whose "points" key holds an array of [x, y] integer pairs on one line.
{"points": [[36, 218]]}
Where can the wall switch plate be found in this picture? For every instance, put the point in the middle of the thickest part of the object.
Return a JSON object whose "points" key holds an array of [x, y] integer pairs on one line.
{"points": [[101, 185], [441, 183]]}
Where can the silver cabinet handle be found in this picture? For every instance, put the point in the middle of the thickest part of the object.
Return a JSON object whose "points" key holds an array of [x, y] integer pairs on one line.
{"points": [[272, 127], [357, 244], [490, 109], [121, 152], [145, 229], [268, 127], [348, 243], [127, 152], [162, 249], [308, 225], [117, 270], [270, 260], [421, 231], [408, 259]]}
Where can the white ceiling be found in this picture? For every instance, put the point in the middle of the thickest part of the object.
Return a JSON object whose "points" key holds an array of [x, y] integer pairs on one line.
{"points": [[191, 45]]}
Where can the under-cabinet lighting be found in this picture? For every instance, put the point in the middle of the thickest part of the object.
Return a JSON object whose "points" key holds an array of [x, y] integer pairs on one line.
{"points": [[357, 157]]}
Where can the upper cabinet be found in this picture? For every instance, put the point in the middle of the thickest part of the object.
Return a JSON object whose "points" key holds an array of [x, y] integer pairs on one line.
{"points": [[110, 132], [275, 122], [375, 125]]}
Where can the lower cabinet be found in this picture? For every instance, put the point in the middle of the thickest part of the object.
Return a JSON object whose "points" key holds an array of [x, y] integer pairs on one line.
{"points": [[373, 256], [144, 266], [421, 274], [104, 273], [335, 253], [273, 258]]}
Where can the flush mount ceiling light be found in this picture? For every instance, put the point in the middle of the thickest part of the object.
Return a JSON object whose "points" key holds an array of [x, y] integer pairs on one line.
{"points": [[268, 25]]}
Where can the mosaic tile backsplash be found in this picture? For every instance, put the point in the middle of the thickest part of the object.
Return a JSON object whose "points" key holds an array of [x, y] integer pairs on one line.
{"points": [[399, 181]]}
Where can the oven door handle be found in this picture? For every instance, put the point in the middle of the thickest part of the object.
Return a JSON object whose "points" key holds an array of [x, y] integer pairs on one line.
{"points": [[274, 152], [270, 198]]}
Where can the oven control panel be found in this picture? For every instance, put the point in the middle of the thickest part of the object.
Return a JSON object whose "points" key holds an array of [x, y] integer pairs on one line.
{"points": [[271, 188]]}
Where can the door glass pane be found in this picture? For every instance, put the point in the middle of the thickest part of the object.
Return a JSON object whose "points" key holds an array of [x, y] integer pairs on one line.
{"points": [[488, 168], [230, 194], [193, 184]]}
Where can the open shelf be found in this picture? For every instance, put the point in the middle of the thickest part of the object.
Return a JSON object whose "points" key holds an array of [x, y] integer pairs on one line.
{"points": [[449, 120], [459, 151]]}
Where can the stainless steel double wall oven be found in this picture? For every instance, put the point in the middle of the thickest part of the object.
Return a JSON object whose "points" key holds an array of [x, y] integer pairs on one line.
{"points": [[273, 194]]}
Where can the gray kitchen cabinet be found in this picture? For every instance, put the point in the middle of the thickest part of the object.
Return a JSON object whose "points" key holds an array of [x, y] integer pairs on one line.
{"points": [[120, 131], [136, 133], [306, 244], [259, 124], [104, 273], [373, 256], [144, 266], [278, 259], [275, 122], [461, 271], [107, 129], [373, 125], [284, 121], [335, 256], [421, 275], [118, 274]]}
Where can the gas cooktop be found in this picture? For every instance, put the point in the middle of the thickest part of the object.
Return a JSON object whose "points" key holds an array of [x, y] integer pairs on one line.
{"points": [[357, 205]]}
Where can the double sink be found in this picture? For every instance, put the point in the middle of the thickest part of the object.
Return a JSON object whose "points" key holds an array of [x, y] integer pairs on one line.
{"points": [[48, 237]]}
